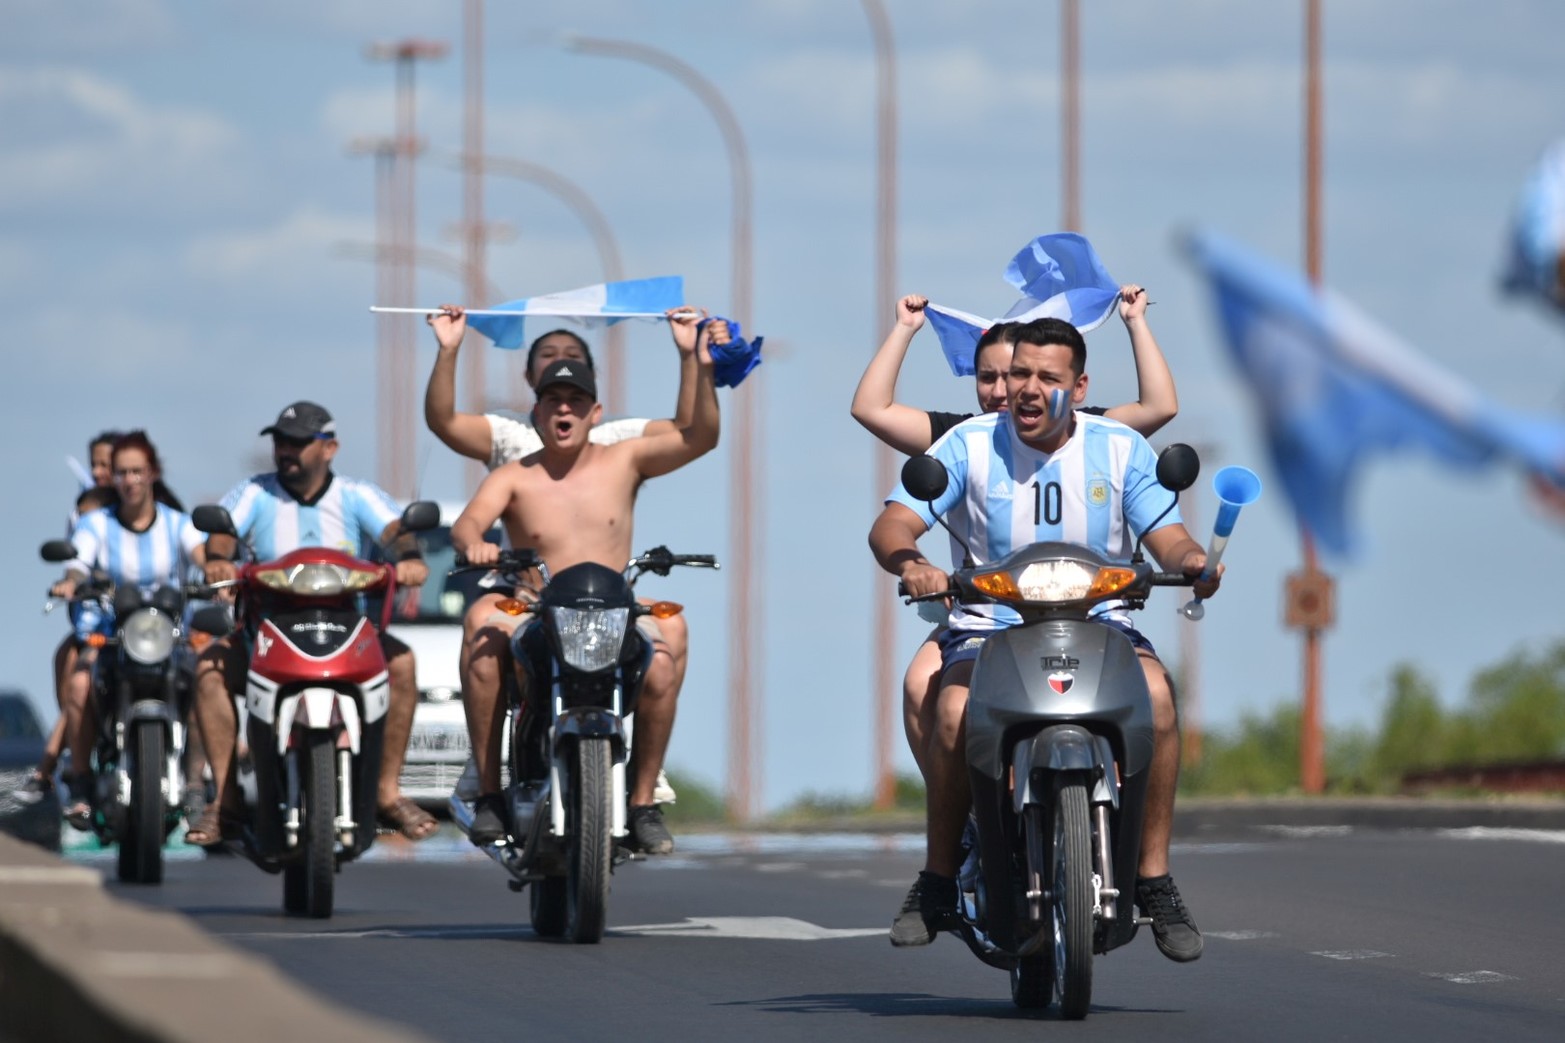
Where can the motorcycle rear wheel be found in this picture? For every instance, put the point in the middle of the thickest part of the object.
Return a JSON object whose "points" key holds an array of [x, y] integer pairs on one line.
{"points": [[591, 841], [308, 884], [1072, 901], [141, 845]]}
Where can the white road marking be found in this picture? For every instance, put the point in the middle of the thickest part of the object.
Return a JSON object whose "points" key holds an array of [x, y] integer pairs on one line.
{"points": [[1309, 831], [1537, 836], [842, 874], [1239, 936], [1472, 977], [778, 867], [388, 932], [766, 928], [1353, 954]]}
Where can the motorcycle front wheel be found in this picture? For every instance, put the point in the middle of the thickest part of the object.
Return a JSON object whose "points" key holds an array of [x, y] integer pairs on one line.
{"points": [[141, 846], [308, 884], [1072, 902], [589, 818]]}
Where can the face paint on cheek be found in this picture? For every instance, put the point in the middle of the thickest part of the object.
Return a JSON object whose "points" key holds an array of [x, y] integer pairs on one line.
{"points": [[1059, 404]]}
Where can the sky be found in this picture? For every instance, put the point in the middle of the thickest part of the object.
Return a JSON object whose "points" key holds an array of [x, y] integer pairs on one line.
{"points": [[182, 227]]}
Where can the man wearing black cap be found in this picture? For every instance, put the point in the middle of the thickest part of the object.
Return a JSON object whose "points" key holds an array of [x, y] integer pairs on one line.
{"points": [[303, 504], [572, 501]]}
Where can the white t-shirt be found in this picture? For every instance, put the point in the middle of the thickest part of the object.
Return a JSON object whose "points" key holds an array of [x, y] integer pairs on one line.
{"points": [[512, 438]]}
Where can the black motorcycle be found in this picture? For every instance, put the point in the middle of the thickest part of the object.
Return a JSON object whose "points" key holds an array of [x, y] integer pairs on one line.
{"points": [[141, 698], [1059, 747], [570, 733]]}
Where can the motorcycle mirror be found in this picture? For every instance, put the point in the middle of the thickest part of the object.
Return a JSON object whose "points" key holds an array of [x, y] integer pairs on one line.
{"points": [[1178, 466], [926, 478], [212, 619], [421, 516], [213, 519], [57, 551]]}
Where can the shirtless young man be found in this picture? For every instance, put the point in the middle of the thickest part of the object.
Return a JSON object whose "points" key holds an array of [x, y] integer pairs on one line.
{"points": [[573, 501]]}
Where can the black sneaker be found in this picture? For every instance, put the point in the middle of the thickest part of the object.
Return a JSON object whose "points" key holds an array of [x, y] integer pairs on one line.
{"points": [[488, 826], [1175, 932], [647, 831], [929, 908]]}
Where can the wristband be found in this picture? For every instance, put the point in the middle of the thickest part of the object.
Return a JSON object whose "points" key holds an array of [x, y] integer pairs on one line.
{"points": [[410, 555]]}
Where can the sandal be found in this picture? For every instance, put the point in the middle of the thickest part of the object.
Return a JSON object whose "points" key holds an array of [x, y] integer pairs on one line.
{"points": [[408, 818], [212, 827]]}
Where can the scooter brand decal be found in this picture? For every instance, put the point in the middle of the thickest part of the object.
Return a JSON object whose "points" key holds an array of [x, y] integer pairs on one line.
{"points": [[1060, 662], [1061, 681], [263, 644]]}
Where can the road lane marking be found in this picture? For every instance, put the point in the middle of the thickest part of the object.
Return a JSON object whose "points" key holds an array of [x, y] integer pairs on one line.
{"points": [[1353, 954], [1536, 836], [1239, 936], [763, 928], [1472, 977], [1308, 831]]}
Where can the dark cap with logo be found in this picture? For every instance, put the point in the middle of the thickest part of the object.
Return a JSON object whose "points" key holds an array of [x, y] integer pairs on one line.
{"points": [[303, 420], [569, 371]]}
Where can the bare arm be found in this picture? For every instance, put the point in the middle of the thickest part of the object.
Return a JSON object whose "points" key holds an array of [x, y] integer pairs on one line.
{"points": [[403, 550], [902, 427], [466, 433], [659, 453], [1158, 404], [894, 541], [488, 503], [1176, 551]]}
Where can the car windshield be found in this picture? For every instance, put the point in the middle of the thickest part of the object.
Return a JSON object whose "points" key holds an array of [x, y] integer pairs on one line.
{"points": [[444, 598], [17, 720]]}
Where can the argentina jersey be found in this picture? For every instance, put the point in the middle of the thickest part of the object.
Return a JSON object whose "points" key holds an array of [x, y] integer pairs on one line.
{"points": [[1099, 489], [160, 555], [348, 515]]}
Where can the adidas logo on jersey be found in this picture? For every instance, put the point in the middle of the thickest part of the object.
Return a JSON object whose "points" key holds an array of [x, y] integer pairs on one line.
{"points": [[1003, 491]]}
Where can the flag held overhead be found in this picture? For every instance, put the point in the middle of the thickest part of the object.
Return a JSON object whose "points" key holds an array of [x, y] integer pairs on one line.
{"points": [[603, 304]]}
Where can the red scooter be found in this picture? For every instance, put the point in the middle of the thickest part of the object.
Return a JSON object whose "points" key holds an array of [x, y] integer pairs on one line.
{"points": [[315, 702]]}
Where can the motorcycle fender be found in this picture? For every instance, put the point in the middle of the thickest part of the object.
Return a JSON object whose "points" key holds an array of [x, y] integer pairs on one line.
{"points": [[308, 708], [1062, 748], [261, 698], [150, 710], [589, 722], [377, 698]]}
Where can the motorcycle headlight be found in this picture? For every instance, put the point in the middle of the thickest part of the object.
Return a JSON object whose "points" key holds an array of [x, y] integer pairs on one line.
{"points": [[590, 638], [1056, 581], [318, 581], [147, 636]]}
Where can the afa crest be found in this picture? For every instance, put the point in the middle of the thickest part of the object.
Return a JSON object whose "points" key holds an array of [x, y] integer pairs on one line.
{"points": [[1098, 492]]}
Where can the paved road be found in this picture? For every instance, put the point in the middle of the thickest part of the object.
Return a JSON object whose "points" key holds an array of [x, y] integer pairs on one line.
{"points": [[1311, 934]]}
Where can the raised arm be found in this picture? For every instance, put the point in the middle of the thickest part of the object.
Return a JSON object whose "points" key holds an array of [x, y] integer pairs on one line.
{"points": [[466, 433], [684, 335], [1157, 404], [902, 427], [659, 452]]}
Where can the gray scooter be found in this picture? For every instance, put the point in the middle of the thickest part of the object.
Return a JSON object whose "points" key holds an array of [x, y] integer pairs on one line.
{"points": [[1059, 743]]}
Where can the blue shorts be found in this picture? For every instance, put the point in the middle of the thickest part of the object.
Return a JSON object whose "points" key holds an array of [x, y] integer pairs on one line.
{"points": [[91, 617], [961, 646]]}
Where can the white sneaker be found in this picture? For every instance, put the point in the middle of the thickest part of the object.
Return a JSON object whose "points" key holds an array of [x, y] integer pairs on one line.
{"points": [[663, 793]]}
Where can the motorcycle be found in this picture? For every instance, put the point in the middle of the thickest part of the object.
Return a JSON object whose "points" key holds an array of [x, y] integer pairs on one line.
{"points": [[315, 702], [570, 733], [1059, 747], [141, 689]]}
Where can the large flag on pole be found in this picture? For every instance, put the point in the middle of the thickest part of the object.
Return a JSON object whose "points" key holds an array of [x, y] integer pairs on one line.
{"points": [[1336, 389], [1059, 276], [1536, 265], [600, 305]]}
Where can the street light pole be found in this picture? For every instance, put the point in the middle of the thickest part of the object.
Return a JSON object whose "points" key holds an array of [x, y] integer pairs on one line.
{"points": [[885, 691], [1070, 113], [746, 536]]}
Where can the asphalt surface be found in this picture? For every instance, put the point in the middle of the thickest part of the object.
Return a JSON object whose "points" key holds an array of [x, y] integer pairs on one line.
{"points": [[1311, 933]]}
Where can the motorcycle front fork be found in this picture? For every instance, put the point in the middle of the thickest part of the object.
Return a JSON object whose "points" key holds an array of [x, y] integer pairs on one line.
{"points": [[342, 821]]}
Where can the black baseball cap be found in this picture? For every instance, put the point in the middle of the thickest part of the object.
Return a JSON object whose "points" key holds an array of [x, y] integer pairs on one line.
{"points": [[303, 420], [574, 372]]}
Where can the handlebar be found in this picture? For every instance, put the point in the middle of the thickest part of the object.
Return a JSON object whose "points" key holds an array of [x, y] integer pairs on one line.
{"points": [[659, 560]]}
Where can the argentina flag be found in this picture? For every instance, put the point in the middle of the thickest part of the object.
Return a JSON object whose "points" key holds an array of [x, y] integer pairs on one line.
{"points": [[1335, 390], [603, 304], [1059, 276]]}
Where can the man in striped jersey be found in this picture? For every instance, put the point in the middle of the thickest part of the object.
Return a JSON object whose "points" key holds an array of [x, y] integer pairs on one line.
{"points": [[1043, 471], [303, 504]]}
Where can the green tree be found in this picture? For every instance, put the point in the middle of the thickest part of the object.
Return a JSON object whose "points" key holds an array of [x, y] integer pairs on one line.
{"points": [[1413, 729]]}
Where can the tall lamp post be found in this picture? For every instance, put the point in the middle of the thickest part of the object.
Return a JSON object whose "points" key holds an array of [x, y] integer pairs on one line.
{"points": [[746, 537]]}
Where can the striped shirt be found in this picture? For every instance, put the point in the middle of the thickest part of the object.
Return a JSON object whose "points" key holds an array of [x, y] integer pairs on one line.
{"points": [[512, 438], [348, 515], [161, 555], [1099, 489]]}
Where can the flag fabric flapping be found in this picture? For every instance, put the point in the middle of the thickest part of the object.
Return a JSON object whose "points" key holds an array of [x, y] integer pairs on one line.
{"points": [[1335, 390], [1059, 276], [1536, 265], [600, 305], [732, 362]]}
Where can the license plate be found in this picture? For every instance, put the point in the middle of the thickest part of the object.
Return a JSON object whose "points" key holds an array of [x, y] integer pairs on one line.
{"points": [[438, 740]]}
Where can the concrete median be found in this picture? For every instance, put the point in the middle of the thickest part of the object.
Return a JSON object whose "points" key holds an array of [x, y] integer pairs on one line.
{"points": [[77, 964]]}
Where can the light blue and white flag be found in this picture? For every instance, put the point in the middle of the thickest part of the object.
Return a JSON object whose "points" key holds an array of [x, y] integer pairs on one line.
{"points": [[1536, 265], [600, 305], [1061, 278], [1336, 389]]}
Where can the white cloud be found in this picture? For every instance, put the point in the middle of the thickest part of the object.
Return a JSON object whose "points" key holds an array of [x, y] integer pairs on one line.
{"points": [[287, 256]]}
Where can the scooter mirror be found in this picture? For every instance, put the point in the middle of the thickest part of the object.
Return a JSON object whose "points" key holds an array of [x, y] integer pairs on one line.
{"points": [[213, 520], [421, 516], [57, 550], [926, 478], [1178, 467]]}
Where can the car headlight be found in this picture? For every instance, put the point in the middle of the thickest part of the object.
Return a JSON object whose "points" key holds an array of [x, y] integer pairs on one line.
{"points": [[147, 636], [1056, 581], [590, 638]]}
